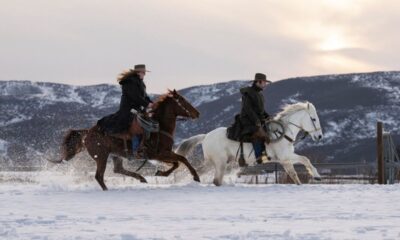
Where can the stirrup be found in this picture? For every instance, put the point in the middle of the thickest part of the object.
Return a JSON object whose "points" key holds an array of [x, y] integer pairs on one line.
{"points": [[140, 153], [131, 157], [242, 163]]}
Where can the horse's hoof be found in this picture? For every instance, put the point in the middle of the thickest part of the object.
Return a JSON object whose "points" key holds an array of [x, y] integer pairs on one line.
{"points": [[143, 180], [159, 173], [317, 178], [216, 183], [196, 178]]}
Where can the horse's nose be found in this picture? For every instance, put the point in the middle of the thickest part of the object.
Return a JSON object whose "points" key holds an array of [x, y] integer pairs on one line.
{"points": [[319, 137]]}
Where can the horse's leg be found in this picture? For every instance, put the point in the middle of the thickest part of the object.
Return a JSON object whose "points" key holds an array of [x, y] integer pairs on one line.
{"points": [[189, 166], [101, 162], [94, 145], [219, 173], [175, 165], [101, 168], [219, 167], [119, 168], [289, 169], [171, 157], [164, 158], [307, 163]]}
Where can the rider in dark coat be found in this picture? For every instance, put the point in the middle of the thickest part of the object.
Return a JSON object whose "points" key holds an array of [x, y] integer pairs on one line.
{"points": [[253, 114], [134, 96]]}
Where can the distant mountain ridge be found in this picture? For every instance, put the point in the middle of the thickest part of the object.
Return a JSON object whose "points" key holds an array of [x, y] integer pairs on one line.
{"points": [[35, 115]]}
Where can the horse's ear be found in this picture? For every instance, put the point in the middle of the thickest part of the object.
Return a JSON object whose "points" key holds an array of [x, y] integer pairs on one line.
{"points": [[308, 105], [175, 92], [169, 93]]}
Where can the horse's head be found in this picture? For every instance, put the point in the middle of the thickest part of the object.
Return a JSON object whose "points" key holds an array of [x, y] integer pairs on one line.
{"points": [[174, 105], [310, 122], [304, 117], [181, 107]]}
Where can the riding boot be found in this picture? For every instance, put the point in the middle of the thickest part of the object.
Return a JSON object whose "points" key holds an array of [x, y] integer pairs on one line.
{"points": [[141, 150], [263, 158]]}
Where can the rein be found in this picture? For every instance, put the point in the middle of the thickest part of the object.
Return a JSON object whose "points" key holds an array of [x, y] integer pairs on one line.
{"points": [[167, 134]]}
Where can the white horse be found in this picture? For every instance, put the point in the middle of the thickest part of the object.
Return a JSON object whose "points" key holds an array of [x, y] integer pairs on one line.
{"points": [[220, 150]]}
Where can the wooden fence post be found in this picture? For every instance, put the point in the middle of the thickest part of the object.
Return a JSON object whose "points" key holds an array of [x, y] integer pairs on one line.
{"points": [[379, 150]]}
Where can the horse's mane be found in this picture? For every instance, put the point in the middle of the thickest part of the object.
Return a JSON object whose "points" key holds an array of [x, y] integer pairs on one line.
{"points": [[292, 108], [160, 100]]}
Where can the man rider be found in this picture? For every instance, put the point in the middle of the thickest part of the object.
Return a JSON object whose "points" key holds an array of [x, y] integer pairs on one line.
{"points": [[253, 115], [134, 96]]}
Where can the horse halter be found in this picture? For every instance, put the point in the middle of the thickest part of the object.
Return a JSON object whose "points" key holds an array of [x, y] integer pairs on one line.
{"points": [[313, 120], [183, 108]]}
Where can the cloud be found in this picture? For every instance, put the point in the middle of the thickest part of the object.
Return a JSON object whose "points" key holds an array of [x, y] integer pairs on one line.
{"points": [[194, 42]]}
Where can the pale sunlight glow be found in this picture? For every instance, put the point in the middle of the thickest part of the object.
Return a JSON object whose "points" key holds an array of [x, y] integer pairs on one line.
{"points": [[333, 42]]}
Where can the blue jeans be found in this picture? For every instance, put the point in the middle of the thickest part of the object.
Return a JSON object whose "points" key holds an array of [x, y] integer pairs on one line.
{"points": [[259, 147], [136, 142]]}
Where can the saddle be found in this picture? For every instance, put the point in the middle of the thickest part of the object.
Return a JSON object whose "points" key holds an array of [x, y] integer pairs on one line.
{"points": [[141, 125], [234, 133]]}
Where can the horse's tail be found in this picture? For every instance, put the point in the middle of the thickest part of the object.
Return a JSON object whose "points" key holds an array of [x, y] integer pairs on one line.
{"points": [[72, 144], [187, 145]]}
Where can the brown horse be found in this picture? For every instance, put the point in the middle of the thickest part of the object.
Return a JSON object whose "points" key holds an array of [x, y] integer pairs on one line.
{"points": [[159, 146]]}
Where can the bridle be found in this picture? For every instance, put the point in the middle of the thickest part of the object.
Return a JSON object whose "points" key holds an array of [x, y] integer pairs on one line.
{"points": [[184, 109], [313, 120], [307, 132]]}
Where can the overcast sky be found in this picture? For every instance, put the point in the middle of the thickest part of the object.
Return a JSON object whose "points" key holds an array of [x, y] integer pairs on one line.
{"points": [[189, 42]]}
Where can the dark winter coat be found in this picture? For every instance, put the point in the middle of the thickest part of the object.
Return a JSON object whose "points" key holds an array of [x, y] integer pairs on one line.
{"points": [[252, 115], [134, 96]]}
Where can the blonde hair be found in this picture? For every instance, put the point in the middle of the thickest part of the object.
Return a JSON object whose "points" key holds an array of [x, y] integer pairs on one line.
{"points": [[126, 74]]}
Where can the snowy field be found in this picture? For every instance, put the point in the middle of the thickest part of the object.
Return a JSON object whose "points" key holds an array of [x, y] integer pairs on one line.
{"points": [[47, 205]]}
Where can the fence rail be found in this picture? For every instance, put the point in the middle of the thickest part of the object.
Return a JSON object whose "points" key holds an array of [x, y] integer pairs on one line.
{"points": [[276, 167], [385, 170]]}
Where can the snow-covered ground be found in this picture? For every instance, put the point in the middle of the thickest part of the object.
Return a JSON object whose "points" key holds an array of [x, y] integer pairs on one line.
{"points": [[57, 206]]}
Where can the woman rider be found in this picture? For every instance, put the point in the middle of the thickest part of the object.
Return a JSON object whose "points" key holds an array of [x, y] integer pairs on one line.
{"points": [[134, 96]]}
